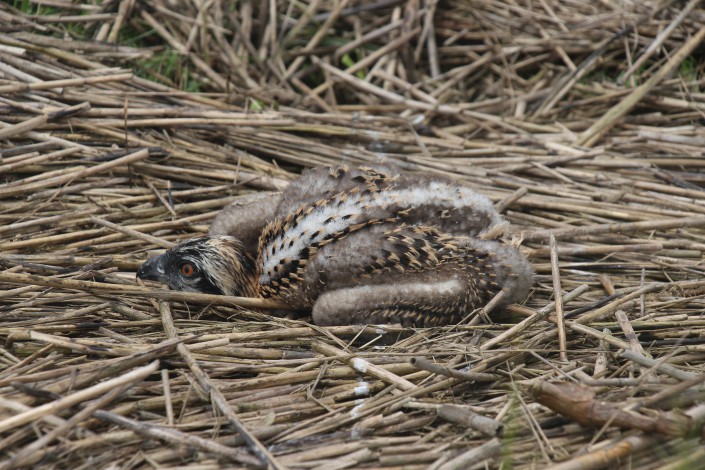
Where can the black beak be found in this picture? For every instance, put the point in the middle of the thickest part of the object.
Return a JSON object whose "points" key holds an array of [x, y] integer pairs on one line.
{"points": [[153, 269]]}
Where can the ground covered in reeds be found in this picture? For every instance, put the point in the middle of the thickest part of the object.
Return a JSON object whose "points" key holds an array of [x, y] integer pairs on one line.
{"points": [[126, 125]]}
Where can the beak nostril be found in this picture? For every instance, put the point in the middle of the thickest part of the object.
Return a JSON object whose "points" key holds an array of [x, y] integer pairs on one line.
{"points": [[152, 269]]}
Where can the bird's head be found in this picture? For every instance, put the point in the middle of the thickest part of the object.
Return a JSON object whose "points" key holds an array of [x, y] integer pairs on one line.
{"points": [[211, 265]]}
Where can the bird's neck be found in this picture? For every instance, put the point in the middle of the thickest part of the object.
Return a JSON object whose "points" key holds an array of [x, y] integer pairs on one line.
{"points": [[248, 284]]}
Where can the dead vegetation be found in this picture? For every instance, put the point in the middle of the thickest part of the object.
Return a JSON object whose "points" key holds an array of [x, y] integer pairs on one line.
{"points": [[127, 125]]}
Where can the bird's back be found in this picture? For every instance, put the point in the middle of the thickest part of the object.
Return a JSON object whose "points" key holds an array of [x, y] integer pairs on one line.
{"points": [[348, 223]]}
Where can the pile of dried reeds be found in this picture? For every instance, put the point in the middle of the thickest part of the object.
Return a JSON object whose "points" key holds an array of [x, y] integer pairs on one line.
{"points": [[127, 125]]}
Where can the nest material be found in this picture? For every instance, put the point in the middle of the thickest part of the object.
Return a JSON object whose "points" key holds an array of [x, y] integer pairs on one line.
{"points": [[581, 121]]}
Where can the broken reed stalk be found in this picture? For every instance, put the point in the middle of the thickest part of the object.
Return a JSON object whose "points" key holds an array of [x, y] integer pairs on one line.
{"points": [[77, 397], [363, 366], [465, 417], [622, 228], [428, 366], [474, 456], [102, 288], [133, 233], [176, 437], [557, 296]]}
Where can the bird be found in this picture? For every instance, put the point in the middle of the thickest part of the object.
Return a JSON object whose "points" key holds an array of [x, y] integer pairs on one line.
{"points": [[355, 245]]}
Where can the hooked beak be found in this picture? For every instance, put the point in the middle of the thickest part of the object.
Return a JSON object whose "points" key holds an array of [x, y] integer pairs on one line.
{"points": [[152, 269]]}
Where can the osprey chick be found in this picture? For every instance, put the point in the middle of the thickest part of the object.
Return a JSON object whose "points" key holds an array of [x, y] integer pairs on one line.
{"points": [[361, 245]]}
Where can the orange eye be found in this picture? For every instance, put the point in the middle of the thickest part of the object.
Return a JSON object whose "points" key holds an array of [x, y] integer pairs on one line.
{"points": [[187, 269]]}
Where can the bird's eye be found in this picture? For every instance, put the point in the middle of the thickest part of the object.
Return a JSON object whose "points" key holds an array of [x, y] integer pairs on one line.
{"points": [[187, 269]]}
